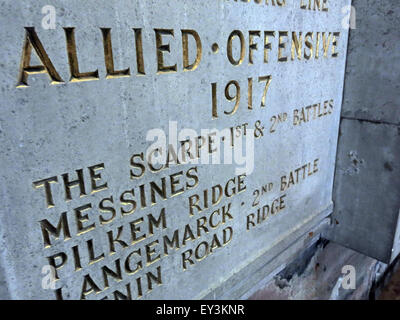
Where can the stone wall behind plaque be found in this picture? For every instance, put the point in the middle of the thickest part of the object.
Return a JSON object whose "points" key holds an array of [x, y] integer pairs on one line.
{"points": [[367, 188]]}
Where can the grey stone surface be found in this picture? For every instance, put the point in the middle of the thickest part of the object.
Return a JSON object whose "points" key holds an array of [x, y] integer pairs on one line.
{"points": [[49, 130], [317, 274], [367, 188], [372, 73], [366, 191], [4, 294]]}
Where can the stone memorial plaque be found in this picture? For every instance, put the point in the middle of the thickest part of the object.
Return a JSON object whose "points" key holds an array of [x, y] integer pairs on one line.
{"points": [[155, 149]]}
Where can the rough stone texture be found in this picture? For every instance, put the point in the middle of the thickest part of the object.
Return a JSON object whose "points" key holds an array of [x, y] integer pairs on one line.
{"points": [[263, 269], [316, 274], [4, 294], [50, 130], [388, 286], [367, 192], [372, 73], [367, 188]]}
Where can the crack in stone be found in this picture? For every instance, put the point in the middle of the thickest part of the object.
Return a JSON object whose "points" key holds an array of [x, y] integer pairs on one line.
{"points": [[372, 121]]}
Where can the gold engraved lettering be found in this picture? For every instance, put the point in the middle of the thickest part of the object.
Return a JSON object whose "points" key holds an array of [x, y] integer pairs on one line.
{"points": [[250, 93], [48, 228], [334, 44], [324, 5], [76, 75], [326, 43], [267, 44], [282, 46], [80, 219], [151, 277], [317, 45], [88, 287], [161, 48], [109, 58], [150, 251], [252, 45], [185, 46], [116, 275], [139, 51], [297, 45], [128, 267], [267, 80], [171, 243], [70, 184], [95, 177], [47, 189], [62, 257], [91, 253], [109, 209], [239, 34], [154, 188], [112, 240], [235, 97], [32, 41], [309, 45]]}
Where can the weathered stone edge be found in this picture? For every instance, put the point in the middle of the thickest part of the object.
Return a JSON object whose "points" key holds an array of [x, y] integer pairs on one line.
{"points": [[271, 260]]}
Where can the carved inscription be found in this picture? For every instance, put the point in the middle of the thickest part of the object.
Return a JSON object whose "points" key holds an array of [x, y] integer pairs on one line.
{"points": [[117, 240]]}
